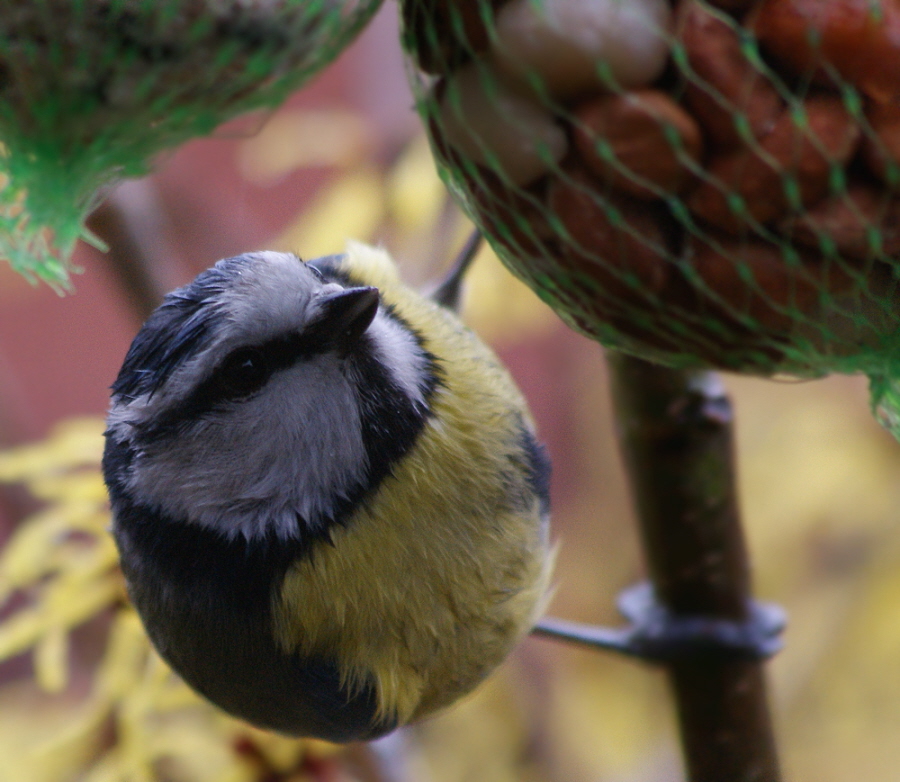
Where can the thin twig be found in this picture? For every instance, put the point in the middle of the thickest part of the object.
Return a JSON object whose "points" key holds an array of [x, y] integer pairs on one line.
{"points": [[449, 292], [130, 222]]}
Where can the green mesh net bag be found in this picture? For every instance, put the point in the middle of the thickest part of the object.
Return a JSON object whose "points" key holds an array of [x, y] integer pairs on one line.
{"points": [[703, 183], [90, 90]]}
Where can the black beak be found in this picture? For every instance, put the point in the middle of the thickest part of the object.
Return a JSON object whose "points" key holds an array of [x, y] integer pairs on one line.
{"points": [[348, 313]]}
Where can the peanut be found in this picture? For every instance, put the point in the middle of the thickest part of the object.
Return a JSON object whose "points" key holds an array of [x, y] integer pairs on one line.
{"points": [[650, 136]]}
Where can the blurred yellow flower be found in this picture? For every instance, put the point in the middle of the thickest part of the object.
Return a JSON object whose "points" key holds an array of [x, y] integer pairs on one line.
{"points": [[137, 721]]}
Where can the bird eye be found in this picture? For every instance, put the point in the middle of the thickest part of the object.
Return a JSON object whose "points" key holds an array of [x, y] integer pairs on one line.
{"points": [[316, 273], [243, 372]]}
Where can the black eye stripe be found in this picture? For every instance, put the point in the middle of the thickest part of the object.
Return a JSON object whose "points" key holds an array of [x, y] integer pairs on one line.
{"points": [[243, 372], [276, 355]]}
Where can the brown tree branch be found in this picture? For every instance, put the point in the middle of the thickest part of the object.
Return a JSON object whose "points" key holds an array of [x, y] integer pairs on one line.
{"points": [[676, 437]]}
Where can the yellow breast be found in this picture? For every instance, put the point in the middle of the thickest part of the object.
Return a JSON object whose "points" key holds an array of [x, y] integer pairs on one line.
{"points": [[446, 566]]}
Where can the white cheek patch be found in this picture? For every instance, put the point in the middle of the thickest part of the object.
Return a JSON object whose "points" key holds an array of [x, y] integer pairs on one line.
{"points": [[397, 349], [291, 452]]}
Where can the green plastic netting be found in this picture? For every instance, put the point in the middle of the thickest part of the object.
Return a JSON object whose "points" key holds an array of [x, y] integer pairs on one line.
{"points": [[91, 90], [703, 183]]}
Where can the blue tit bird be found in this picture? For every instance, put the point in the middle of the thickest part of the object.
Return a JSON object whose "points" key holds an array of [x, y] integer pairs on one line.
{"points": [[328, 497]]}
